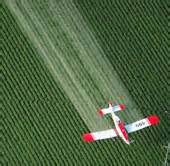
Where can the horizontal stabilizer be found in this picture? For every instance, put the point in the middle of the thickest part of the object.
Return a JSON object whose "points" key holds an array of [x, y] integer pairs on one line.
{"points": [[111, 109]]}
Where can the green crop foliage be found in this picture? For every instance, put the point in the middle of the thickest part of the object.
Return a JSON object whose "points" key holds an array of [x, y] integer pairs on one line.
{"points": [[40, 124]]}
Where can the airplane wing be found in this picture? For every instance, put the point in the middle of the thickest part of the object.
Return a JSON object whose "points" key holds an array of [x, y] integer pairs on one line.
{"points": [[150, 120], [89, 137]]}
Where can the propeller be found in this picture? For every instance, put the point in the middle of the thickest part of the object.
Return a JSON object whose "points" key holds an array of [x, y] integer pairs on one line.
{"points": [[132, 141]]}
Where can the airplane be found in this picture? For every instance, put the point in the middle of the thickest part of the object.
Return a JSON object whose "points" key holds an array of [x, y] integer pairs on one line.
{"points": [[120, 129]]}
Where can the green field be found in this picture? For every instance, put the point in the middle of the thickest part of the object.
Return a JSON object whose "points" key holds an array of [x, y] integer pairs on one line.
{"points": [[62, 60]]}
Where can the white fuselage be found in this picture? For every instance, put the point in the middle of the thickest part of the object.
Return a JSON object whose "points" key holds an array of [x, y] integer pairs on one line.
{"points": [[116, 121]]}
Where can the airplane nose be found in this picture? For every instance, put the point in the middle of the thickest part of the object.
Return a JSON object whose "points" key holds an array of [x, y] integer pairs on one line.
{"points": [[128, 142]]}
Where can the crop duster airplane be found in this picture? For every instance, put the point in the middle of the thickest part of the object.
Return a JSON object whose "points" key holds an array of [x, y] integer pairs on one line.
{"points": [[120, 129]]}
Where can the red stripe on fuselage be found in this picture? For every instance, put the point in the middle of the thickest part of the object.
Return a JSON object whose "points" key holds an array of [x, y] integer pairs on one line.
{"points": [[122, 128], [116, 131]]}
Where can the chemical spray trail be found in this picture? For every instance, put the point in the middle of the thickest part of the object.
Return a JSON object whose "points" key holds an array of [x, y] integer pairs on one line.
{"points": [[73, 56]]}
